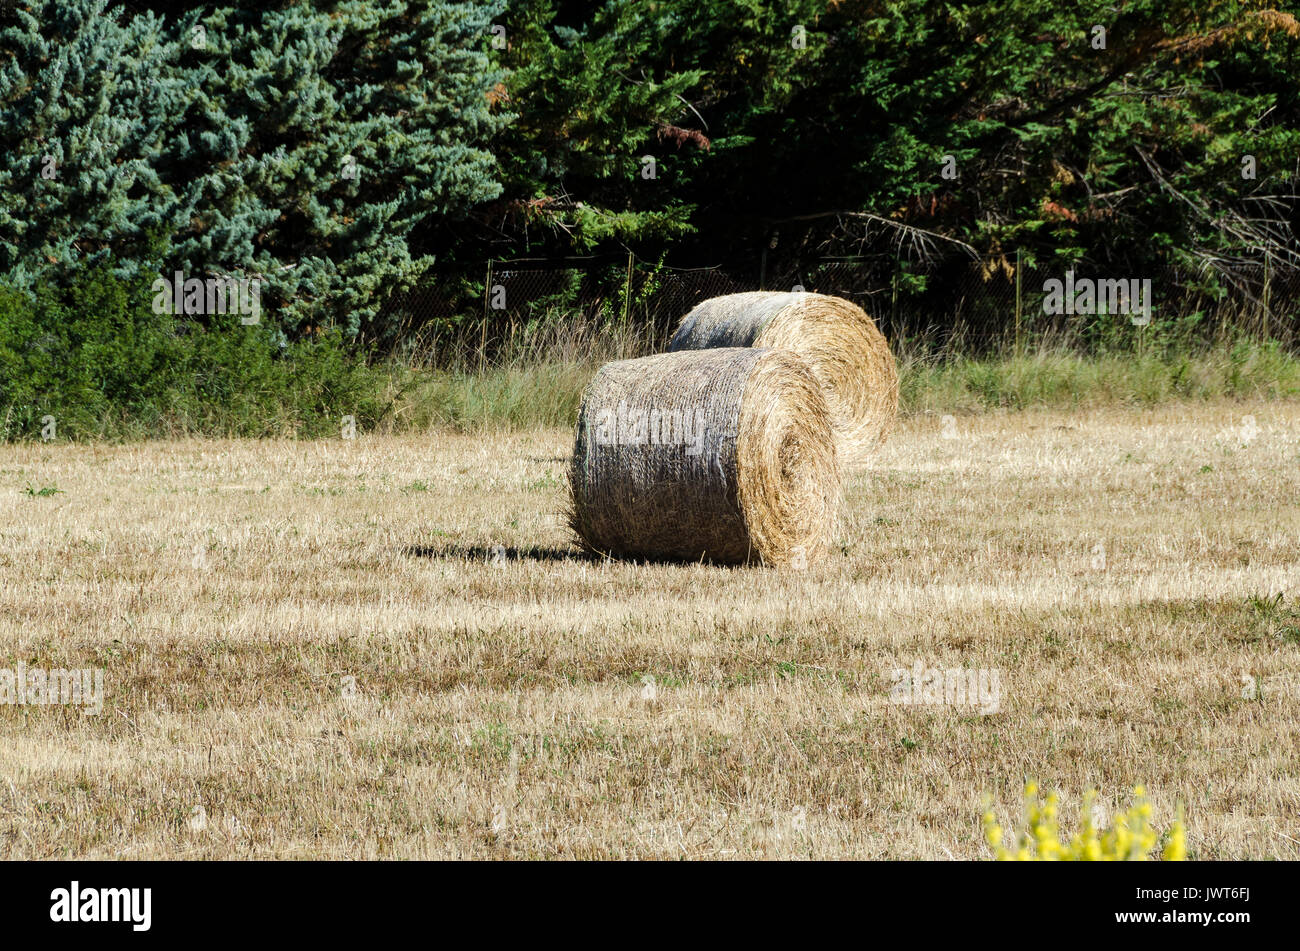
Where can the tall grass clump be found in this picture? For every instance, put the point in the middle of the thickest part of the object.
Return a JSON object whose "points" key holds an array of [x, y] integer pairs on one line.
{"points": [[1059, 377], [531, 374]]}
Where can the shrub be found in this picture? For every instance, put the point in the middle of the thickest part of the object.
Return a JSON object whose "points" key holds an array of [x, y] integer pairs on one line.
{"points": [[96, 357]]}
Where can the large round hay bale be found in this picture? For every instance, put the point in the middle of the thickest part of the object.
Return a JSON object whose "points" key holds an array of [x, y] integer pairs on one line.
{"points": [[841, 345], [724, 455]]}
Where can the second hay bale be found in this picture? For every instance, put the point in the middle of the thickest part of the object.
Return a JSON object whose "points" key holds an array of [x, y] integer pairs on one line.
{"points": [[722, 454], [842, 346]]}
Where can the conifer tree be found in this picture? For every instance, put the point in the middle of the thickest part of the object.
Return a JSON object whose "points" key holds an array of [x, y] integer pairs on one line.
{"points": [[88, 101], [299, 144]]}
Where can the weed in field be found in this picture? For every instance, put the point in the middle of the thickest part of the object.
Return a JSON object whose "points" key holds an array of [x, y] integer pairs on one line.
{"points": [[1275, 617], [1130, 838]]}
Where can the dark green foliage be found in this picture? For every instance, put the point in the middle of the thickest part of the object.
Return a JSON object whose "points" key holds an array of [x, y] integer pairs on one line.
{"points": [[335, 130], [96, 358], [299, 143], [590, 100], [1127, 156], [90, 110], [342, 150], [803, 129]]}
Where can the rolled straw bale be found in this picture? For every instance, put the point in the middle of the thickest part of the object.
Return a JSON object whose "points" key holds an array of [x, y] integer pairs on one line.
{"points": [[842, 346], [722, 454]]}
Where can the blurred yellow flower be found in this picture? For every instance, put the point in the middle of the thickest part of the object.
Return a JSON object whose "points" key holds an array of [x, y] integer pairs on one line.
{"points": [[1130, 837]]}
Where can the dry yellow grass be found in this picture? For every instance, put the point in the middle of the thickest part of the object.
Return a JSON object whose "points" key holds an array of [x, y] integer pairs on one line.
{"points": [[504, 706]]}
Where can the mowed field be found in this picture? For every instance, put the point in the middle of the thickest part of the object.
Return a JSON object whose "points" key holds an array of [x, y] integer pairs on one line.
{"points": [[317, 649]]}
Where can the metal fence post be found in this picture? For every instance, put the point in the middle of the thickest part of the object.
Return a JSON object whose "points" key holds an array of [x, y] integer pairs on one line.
{"points": [[1018, 303], [627, 290], [1267, 275], [482, 335], [893, 298]]}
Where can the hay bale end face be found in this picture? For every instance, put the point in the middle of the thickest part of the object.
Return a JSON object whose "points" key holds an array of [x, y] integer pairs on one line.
{"points": [[725, 455], [842, 346]]}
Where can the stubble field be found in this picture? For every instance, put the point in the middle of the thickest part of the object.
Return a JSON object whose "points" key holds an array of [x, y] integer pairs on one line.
{"points": [[388, 647]]}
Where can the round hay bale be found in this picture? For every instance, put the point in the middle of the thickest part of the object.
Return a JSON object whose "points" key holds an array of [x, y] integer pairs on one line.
{"points": [[842, 346], [725, 455]]}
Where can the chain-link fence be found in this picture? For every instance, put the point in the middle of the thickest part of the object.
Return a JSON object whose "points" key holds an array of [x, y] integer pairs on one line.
{"points": [[971, 306]]}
